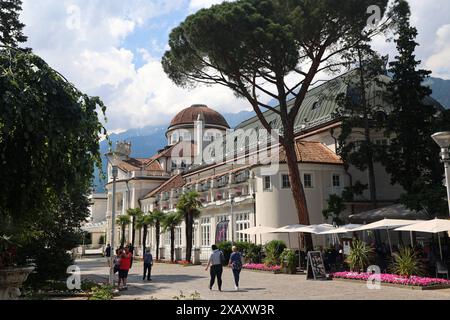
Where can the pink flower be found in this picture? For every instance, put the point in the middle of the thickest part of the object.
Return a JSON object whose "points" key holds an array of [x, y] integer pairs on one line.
{"points": [[392, 278], [261, 267]]}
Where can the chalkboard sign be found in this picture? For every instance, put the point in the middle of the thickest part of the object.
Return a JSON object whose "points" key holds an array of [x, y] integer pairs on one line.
{"points": [[316, 267]]}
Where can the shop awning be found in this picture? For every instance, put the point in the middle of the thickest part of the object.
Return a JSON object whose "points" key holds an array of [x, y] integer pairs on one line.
{"points": [[397, 211]]}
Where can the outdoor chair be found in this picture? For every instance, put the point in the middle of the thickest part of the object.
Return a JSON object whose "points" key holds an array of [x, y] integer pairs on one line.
{"points": [[441, 268]]}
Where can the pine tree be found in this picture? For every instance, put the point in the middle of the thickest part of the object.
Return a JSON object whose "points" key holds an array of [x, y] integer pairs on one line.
{"points": [[359, 111], [412, 157], [10, 26]]}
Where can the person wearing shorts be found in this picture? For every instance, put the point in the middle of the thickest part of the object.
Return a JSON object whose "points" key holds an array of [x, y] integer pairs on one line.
{"points": [[124, 268]]}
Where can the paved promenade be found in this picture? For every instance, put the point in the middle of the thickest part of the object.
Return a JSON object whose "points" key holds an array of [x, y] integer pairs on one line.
{"points": [[169, 280]]}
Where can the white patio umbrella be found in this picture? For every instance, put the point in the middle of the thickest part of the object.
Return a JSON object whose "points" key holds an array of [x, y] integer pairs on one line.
{"points": [[431, 226], [386, 224], [344, 229], [315, 228], [255, 231], [289, 229]]}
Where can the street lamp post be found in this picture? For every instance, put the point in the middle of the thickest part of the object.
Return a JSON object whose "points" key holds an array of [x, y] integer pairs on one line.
{"points": [[443, 140], [114, 159], [232, 218]]}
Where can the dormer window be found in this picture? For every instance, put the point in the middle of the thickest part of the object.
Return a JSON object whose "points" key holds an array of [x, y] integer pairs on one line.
{"points": [[316, 105]]}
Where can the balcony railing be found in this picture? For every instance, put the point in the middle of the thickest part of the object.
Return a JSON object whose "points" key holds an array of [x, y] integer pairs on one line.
{"points": [[146, 174]]}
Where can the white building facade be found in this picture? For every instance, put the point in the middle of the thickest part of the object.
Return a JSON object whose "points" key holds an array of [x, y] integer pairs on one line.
{"points": [[234, 188]]}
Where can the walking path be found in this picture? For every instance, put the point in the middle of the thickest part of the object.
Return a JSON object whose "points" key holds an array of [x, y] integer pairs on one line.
{"points": [[169, 280]]}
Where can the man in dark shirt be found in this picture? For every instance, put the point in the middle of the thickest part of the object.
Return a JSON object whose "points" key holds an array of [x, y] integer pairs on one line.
{"points": [[148, 264]]}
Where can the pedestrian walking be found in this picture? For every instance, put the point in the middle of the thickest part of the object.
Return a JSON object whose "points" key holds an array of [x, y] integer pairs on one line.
{"points": [[216, 264], [148, 265], [125, 265], [235, 264], [108, 254]]}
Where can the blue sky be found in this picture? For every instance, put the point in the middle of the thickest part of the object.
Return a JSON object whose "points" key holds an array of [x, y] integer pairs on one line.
{"points": [[113, 49]]}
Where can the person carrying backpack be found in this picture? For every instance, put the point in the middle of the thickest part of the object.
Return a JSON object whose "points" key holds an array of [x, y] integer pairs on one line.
{"points": [[216, 263], [236, 265]]}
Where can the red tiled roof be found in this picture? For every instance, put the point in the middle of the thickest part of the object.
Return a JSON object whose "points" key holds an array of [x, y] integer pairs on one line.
{"points": [[307, 152], [168, 152], [173, 183], [137, 164], [316, 152]]}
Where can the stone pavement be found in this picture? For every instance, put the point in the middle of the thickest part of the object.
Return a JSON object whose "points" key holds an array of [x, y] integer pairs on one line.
{"points": [[169, 280]]}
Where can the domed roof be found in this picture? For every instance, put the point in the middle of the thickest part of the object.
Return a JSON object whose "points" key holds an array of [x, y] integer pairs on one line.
{"points": [[208, 115]]}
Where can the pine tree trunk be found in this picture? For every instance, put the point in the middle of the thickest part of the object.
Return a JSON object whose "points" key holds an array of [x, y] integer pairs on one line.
{"points": [[298, 191]]}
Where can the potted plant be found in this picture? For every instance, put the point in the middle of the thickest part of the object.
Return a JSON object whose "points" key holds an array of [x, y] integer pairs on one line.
{"points": [[12, 276], [360, 256], [288, 260]]}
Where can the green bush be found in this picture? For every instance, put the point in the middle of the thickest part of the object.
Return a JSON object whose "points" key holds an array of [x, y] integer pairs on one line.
{"points": [[225, 247], [406, 263], [50, 265], [360, 256], [253, 253], [274, 249], [104, 292]]}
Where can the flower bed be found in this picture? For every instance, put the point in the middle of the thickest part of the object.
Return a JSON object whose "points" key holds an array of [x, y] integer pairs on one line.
{"points": [[413, 281], [261, 267]]}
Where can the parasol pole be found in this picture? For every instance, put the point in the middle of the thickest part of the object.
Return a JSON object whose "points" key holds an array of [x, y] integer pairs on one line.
{"points": [[389, 238], [440, 246], [411, 237]]}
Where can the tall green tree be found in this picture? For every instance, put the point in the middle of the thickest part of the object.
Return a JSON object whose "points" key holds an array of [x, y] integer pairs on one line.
{"points": [[189, 207], [134, 214], [169, 223], [413, 157], [143, 222], [123, 221], [10, 26], [157, 218], [362, 110], [49, 147], [270, 49]]}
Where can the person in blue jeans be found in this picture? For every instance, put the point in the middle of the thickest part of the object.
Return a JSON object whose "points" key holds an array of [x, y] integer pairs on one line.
{"points": [[236, 265]]}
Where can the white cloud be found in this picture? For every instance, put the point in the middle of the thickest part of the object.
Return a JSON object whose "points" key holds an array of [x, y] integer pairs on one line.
{"points": [[439, 61], [84, 40], [199, 4], [120, 28]]}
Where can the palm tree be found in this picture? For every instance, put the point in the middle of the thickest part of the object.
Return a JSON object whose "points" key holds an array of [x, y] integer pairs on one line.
{"points": [[169, 223], [143, 222], [157, 217], [123, 221], [189, 207], [134, 215]]}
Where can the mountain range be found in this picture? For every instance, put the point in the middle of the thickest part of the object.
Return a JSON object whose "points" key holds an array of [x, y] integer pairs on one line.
{"points": [[148, 140]]}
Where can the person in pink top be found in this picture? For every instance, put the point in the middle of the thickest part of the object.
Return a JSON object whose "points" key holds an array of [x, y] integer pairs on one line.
{"points": [[124, 268]]}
